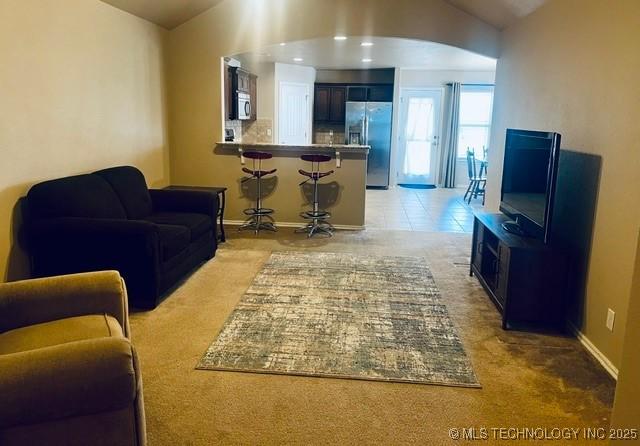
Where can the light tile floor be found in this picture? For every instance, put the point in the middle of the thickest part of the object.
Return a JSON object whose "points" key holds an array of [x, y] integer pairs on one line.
{"points": [[430, 210]]}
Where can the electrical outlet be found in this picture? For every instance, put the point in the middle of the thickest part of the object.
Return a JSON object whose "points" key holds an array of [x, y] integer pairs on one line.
{"points": [[268, 132], [611, 317]]}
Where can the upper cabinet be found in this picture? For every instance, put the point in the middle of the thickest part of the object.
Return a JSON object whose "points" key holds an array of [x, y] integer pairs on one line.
{"points": [[371, 93], [237, 81], [244, 81], [329, 103], [253, 95], [380, 93], [329, 100], [337, 105]]}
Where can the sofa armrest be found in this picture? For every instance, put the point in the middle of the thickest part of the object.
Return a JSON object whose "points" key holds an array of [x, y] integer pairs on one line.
{"points": [[30, 302], [67, 380], [176, 200]]}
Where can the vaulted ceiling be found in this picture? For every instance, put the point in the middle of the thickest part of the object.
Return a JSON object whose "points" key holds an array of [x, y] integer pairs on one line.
{"points": [[172, 13], [166, 13], [499, 13]]}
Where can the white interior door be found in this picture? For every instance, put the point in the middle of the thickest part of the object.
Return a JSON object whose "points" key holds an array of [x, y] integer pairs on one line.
{"points": [[293, 114], [420, 115]]}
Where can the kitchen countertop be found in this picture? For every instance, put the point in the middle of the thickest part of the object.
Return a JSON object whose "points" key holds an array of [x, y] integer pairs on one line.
{"points": [[299, 148]]}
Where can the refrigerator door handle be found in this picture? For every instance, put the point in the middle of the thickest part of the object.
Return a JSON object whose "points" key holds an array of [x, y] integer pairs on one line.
{"points": [[366, 130]]}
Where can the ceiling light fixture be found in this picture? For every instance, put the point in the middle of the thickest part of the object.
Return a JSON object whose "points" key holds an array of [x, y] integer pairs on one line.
{"points": [[340, 38], [366, 44], [366, 60], [282, 43], [298, 59]]}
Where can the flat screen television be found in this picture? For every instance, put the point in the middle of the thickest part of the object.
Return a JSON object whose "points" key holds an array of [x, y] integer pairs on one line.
{"points": [[528, 181]]}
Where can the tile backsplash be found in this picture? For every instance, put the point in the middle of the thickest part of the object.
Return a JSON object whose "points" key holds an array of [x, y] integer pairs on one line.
{"points": [[258, 131], [237, 129], [322, 134]]}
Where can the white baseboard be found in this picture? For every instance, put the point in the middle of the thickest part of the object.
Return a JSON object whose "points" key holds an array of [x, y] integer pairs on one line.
{"points": [[593, 350], [288, 224]]}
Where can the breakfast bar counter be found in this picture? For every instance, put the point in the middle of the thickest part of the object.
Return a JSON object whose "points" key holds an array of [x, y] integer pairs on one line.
{"points": [[342, 193], [307, 148]]}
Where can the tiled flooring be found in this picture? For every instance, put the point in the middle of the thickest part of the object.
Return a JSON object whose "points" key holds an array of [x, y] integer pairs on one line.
{"points": [[431, 210]]}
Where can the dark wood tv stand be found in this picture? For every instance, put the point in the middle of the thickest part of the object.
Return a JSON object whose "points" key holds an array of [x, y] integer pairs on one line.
{"points": [[525, 278]]}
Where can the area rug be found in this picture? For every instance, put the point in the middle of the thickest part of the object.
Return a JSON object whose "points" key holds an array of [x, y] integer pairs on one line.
{"points": [[343, 316]]}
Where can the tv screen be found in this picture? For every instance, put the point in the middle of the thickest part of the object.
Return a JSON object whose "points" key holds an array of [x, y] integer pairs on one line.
{"points": [[528, 176]]}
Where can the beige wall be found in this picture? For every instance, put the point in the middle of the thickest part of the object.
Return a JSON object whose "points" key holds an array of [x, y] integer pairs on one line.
{"points": [[572, 67], [626, 409], [265, 71], [82, 88], [239, 26]]}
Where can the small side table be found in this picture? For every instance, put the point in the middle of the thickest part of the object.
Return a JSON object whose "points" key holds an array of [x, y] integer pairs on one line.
{"points": [[220, 191]]}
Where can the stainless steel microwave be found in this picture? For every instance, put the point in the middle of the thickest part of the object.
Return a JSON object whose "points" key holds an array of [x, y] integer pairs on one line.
{"points": [[244, 106]]}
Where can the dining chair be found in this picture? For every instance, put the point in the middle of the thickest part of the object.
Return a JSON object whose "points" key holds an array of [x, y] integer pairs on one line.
{"points": [[477, 181]]}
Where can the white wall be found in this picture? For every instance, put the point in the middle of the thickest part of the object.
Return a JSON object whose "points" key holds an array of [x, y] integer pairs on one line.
{"points": [[293, 73], [414, 78], [410, 78]]}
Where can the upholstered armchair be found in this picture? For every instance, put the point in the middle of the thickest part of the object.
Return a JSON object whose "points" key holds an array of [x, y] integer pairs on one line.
{"points": [[68, 372]]}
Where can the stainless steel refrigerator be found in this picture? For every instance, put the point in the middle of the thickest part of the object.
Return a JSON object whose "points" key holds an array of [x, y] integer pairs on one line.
{"points": [[369, 123]]}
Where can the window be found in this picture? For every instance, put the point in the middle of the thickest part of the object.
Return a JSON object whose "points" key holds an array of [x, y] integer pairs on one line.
{"points": [[476, 103]]}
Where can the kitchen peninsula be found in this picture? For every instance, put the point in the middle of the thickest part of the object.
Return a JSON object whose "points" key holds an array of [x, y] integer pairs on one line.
{"points": [[342, 193]]}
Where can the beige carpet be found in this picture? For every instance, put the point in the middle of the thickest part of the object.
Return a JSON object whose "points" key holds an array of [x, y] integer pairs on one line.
{"points": [[528, 380]]}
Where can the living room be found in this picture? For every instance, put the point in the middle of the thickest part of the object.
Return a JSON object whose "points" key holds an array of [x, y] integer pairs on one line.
{"points": [[90, 85]]}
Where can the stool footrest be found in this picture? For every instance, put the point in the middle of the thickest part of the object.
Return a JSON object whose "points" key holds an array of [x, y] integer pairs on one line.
{"points": [[260, 211], [318, 214]]}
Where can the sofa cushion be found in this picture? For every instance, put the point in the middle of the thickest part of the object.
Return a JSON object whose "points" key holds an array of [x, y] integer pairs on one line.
{"points": [[131, 187], [87, 196], [59, 332], [173, 240], [198, 224]]}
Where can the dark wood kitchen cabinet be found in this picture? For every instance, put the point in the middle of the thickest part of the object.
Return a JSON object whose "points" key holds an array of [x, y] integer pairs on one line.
{"points": [[228, 92], [253, 94], [329, 103], [244, 81], [380, 93], [370, 93], [237, 80], [321, 103], [337, 104], [525, 278]]}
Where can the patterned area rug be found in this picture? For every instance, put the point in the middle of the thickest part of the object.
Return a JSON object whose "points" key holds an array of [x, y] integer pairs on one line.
{"points": [[343, 316]]}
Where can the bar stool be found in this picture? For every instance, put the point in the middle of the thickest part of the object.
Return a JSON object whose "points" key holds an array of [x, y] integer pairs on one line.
{"points": [[317, 216], [257, 214]]}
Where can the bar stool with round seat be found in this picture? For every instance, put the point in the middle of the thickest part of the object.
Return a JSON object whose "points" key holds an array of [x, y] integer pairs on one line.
{"points": [[258, 214], [317, 217]]}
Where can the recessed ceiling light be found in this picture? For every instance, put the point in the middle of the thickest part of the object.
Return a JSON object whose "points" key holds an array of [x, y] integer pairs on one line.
{"points": [[298, 59], [340, 38], [366, 44], [283, 43], [366, 60]]}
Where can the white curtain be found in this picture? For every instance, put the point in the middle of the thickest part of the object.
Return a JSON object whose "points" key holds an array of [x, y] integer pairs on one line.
{"points": [[417, 160]]}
